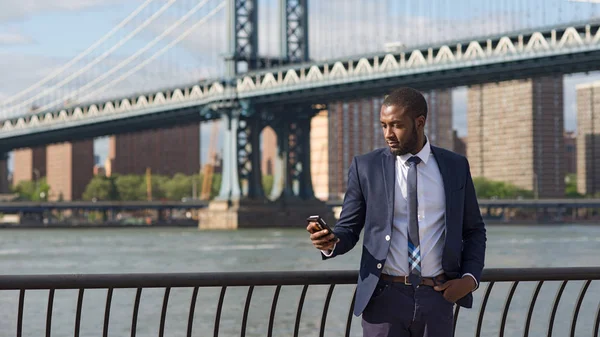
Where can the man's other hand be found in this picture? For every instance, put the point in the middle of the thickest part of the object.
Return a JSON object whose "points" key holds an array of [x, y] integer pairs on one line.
{"points": [[320, 239], [453, 290]]}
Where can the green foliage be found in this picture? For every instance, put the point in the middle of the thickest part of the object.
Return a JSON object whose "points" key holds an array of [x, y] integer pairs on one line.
{"points": [[571, 187], [267, 183], [216, 185], [133, 187], [32, 190], [101, 188], [158, 187], [487, 189], [180, 186]]}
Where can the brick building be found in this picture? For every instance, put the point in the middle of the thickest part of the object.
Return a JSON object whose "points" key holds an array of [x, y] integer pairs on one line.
{"points": [[319, 155], [570, 152], [354, 129], [438, 127], [268, 151], [69, 169], [4, 181], [515, 134], [588, 138], [29, 164], [166, 151]]}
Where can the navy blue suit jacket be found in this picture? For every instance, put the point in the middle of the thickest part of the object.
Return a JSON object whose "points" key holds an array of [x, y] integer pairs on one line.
{"points": [[369, 204]]}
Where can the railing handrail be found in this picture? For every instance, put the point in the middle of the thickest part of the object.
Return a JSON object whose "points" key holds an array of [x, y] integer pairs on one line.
{"points": [[254, 279], [266, 278]]}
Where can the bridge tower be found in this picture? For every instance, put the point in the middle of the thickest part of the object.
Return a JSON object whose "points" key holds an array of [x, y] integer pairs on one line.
{"points": [[242, 201]]}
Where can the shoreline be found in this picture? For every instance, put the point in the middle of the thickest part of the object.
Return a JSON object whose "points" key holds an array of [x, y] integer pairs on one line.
{"points": [[194, 224]]}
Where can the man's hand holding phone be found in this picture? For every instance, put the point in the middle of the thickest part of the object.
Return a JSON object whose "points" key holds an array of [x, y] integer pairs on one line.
{"points": [[320, 233]]}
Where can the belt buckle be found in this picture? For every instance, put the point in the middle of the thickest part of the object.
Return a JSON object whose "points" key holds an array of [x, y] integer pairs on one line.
{"points": [[406, 281]]}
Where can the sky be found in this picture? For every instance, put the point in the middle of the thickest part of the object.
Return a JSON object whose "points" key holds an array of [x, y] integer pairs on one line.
{"points": [[39, 36]]}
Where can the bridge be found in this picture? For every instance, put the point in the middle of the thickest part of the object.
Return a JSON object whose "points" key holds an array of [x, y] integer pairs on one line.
{"points": [[32, 206], [285, 91]]}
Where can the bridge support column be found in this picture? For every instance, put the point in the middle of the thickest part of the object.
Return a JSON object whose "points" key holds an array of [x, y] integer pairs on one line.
{"points": [[241, 202], [294, 30], [293, 175], [242, 33], [304, 178]]}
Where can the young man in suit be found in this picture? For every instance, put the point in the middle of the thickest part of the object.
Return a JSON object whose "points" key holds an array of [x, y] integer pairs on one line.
{"points": [[424, 237]]}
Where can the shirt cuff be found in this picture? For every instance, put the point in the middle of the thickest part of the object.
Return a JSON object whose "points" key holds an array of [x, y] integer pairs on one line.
{"points": [[328, 253], [474, 279]]}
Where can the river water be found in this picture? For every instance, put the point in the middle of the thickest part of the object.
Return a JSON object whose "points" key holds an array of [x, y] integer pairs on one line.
{"points": [[160, 250]]}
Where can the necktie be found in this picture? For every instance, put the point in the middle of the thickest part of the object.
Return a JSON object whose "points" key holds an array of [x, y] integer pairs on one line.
{"points": [[414, 253]]}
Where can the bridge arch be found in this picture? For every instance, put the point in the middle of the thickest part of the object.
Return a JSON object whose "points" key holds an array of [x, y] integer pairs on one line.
{"points": [[270, 163]]}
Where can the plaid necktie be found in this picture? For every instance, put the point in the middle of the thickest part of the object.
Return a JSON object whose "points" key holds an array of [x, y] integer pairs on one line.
{"points": [[414, 252]]}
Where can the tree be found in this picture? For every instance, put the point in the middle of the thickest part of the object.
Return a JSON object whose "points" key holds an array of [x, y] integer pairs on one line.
{"points": [[486, 189], [159, 183], [267, 183], [101, 188], [571, 187], [216, 185], [131, 187], [32, 190], [178, 187]]}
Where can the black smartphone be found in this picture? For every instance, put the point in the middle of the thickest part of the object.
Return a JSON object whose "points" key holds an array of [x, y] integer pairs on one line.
{"points": [[320, 223]]}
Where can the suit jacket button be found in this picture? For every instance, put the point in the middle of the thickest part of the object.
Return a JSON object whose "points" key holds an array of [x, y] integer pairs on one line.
{"points": [[379, 266], [387, 238]]}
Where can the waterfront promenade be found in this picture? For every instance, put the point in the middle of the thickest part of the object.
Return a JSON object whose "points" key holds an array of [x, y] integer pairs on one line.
{"points": [[276, 251]]}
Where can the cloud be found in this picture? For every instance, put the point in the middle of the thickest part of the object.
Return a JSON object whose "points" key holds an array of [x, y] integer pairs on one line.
{"points": [[20, 69], [12, 38], [18, 10], [25, 70]]}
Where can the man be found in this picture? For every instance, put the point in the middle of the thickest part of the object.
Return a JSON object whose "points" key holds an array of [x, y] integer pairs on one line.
{"points": [[424, 241]]}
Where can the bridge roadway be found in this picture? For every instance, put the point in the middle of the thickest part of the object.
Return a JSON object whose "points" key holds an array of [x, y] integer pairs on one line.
{"points": [[274, 91], [26, 206]]}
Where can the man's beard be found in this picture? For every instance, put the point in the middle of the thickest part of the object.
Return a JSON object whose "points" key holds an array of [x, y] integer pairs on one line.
{"points": [[409, 146]]}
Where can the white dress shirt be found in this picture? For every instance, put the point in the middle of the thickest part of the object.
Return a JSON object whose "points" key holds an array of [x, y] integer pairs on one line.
{"points": [[430, 216], [431, 200]]}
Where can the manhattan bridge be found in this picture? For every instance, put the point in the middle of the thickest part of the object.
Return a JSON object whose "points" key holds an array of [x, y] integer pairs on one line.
{"points": [[276, 63]]}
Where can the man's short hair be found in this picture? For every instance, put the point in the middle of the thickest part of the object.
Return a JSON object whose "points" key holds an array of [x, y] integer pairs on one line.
{"points": [[408, 98]]}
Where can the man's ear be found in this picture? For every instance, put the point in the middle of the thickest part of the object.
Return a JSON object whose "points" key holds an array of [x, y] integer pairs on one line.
{"points": [[421, 122]]}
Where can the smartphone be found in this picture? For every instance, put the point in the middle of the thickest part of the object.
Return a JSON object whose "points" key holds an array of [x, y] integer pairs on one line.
{"points": [[321, 224]]}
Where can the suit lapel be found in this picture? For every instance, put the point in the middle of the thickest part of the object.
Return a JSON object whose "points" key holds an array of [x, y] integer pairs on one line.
{"points": [[441, 161], [389, 174]]}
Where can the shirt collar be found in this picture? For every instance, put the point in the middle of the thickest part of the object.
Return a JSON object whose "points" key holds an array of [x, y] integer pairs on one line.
{"points": [[423, 154]]}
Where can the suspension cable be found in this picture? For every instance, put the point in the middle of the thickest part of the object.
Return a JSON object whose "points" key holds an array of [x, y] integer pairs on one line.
{"points": [[78, 57], [164, 49], [95, 61]]}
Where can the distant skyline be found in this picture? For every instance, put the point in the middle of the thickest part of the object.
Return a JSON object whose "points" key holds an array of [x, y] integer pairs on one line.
{"points": [[38, 36]]}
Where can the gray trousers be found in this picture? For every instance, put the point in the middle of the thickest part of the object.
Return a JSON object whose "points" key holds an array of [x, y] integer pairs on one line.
{"points": [[398, 310]]}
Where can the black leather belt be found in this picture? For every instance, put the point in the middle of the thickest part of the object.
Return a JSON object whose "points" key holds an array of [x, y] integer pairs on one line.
{"points": [[428, 281]]}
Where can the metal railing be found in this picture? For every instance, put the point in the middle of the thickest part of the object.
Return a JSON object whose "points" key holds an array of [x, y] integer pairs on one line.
{"points": [[305, 279]]}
